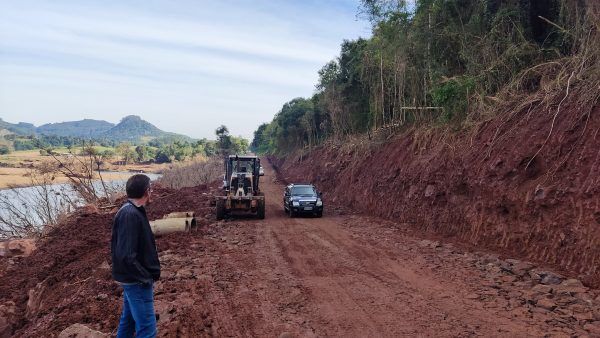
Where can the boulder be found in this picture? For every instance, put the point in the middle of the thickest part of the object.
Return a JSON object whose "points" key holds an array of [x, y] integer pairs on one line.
{"points": [[546, 277], [81, 331], [17, 248]]}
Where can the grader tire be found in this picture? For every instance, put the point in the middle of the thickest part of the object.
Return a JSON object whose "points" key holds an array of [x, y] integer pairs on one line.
{"points": [[260, 212], [220, 209]]}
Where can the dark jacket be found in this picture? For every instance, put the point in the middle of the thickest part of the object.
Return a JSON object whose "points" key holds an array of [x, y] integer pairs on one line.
{"points": [[133, 250]]}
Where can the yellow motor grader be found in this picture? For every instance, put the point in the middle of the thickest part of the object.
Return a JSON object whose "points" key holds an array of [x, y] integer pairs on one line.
{"points": [[241, 192]]}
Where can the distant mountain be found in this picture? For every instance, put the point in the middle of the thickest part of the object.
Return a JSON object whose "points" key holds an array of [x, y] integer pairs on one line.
{"points": [[20, 128], [131, 128], [86, 128]]}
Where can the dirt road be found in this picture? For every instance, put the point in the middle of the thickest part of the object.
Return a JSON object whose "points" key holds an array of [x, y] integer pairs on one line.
{"points": [[340, 275], [356, 276]]}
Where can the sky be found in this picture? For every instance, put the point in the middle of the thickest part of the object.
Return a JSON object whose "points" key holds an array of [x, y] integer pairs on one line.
{"points": [[185, 66]]}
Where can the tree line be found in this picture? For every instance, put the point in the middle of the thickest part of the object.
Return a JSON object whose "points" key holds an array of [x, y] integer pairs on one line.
{"points": [[157, 150], [435, 61]]}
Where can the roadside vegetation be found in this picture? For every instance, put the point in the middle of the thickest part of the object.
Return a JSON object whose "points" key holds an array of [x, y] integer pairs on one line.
{"points": [[206, 171], [449, 64], [192, 174]]}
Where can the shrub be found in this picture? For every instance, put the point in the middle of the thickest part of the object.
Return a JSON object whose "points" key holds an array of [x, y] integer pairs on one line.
{"points": [[453, 95], [4, 149]]}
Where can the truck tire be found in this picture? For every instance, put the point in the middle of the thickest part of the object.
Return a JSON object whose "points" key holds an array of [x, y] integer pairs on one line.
{"points": [[292, 213], [320, 214], [220, 209], [260, 212]]}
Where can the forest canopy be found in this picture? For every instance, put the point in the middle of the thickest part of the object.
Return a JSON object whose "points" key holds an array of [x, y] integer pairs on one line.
{"points": [[436, 61]]}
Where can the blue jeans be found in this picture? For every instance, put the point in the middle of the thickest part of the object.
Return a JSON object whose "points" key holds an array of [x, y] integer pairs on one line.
{"points": [[138, 312]]}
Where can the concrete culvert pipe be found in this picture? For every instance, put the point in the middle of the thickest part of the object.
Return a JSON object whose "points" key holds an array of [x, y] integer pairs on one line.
{"points": [[170, 225], [181, 214]]}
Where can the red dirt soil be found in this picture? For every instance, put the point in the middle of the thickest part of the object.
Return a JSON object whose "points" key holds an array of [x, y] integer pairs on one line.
{"points": [[71, 268], [486, 189], [340, 275]]}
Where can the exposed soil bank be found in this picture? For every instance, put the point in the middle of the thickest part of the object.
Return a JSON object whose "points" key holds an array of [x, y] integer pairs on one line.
{"points": [[522, 185], [67, 279]]}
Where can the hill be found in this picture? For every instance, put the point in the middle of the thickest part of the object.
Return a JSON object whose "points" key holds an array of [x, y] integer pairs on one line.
{"points": [[84, 128], [20, 128], [131, 128]]}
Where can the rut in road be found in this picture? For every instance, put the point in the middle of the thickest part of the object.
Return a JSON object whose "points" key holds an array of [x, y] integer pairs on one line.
{"points": [[358, 276]]}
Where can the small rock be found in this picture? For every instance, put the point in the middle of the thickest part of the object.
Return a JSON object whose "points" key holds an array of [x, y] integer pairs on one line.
{"points": [[550, 278], [563, 312], [184, 274], [490, 259], [520, 268], [546, 303], [571, 286], [104, 266], [429, 190], [429, 244], [563, 299], [102, 296], [572, 282], [541, 289], [535, 276], [81, 331]]}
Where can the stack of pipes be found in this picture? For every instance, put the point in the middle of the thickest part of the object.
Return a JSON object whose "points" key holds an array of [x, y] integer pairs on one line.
{"points": [[181, 221]]}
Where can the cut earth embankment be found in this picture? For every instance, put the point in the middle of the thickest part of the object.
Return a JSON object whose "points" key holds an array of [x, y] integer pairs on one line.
{"points": [[525, 184], [67, 279]]}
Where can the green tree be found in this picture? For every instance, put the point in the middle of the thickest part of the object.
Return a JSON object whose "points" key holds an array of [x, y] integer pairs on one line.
{"points": [[4, 149], [126, 152], [143, 153], [223, 140]]}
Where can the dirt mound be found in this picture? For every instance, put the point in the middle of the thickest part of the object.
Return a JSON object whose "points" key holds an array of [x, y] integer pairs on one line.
{"points": [[523, 185], [67, 279]]}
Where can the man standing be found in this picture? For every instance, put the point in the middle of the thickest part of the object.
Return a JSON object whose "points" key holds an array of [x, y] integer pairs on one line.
{"points": [[135, 262]]}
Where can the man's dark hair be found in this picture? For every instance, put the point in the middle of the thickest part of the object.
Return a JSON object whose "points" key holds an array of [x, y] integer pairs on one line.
{"points": [[137, 185]]}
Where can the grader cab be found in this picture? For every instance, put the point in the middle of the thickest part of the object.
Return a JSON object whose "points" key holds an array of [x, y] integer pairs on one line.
{"points": [[241, 192]]}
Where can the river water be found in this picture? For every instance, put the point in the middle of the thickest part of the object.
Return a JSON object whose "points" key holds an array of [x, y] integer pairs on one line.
{"points": [[24, 205]]}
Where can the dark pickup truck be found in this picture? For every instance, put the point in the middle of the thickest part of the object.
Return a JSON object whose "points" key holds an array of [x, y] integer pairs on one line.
{"points": [[302, 199]]}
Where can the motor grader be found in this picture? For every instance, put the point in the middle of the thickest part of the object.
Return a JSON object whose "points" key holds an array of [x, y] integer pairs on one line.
{"points": [[241, 192]]}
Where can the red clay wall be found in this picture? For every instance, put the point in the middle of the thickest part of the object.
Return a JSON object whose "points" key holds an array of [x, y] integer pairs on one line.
{"points": [[481, 188]]}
